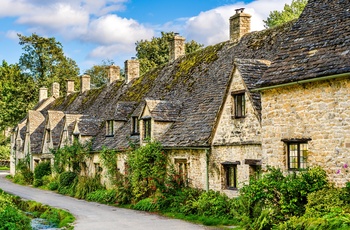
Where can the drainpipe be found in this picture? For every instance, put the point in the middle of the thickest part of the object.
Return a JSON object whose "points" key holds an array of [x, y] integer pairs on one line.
{"points": [[207, 155]]}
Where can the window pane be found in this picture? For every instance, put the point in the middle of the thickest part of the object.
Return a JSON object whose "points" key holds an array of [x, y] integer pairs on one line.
{"points": [[239, 101], [231, 172], [303, 155], [293, 156]]}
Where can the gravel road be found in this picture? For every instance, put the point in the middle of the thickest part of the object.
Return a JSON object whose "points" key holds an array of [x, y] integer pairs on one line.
{"points": [[91, 215]]}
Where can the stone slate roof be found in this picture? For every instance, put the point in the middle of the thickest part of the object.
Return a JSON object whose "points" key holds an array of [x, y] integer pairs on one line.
{"points": [[56, 125], [163, 110], [123, 110], [35, 128], [88, 126], [317, 46], [251, 71], [196, 82]]}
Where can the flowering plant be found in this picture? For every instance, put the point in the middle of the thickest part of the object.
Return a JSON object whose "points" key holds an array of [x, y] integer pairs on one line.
{"points": [[345, 168]]}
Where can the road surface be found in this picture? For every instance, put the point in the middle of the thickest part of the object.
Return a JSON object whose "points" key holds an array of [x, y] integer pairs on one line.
{"points": [[91, 215]]}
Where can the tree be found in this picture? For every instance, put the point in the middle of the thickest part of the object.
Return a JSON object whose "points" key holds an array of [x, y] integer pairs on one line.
{"points": [[288, 13], [44, 60], [156, 51], [18, 93], [99, 73]]}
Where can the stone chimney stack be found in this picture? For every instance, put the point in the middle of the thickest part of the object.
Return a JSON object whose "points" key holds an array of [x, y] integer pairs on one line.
{"points": [[177, 47], [132, 69], [239, 25], [70, 87], [85, 83], [42, 93], [55, 90], [113, 73]]}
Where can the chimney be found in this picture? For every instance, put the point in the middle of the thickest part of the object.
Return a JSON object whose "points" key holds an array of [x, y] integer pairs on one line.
{"points": [[177, 47], [70, 87], [55, 90], [132, 69], [113, 73], [85, 83], [239, 25], [42, 93]]}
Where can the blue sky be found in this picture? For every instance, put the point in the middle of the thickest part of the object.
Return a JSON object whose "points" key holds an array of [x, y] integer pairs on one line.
{"points": [[95, 30]]}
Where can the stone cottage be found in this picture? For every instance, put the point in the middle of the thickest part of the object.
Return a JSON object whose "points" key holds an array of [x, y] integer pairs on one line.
{"points": [[219, 112], [305, 94]]}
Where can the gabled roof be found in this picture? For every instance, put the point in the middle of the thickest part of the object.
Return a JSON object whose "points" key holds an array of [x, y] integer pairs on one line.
{"points": [[251, 70], [318, 45], [123, 109], [55, 123], [88, 126], [163, 110], [35, 129]]}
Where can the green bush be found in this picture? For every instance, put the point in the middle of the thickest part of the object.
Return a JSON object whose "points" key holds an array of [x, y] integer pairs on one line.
{"points": [[87, 185], [145, 205], [53, 185], [103, 196], [23, 174], [42, 169], [213, 204], [66, 179], [37, 182], [13, 219]]}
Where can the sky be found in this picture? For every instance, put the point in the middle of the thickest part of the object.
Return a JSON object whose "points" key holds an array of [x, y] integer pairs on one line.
{"points": [[92, 31]]}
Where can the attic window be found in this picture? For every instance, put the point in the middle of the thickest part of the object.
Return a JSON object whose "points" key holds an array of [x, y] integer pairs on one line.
{"points": [[135, 126], [239, 104], [109, 128]]}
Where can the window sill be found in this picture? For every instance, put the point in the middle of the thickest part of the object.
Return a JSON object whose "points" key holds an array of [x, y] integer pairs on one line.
{"points": [[231, 188], [109, 135], [135, 134], [234, 117]]}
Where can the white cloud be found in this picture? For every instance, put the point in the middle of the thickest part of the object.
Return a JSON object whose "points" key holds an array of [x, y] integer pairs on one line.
{"points": [[211, 27], [12, 34]]}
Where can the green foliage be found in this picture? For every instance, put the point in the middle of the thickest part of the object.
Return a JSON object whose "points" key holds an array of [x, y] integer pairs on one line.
{"points": [[5, 152], [212, 204], [71, 157], [99, 73], [288, 13], [41, 170], [109, 161], [66, 179], [23, 174], [146, 204], [87, 185], [44, 60], [13, 219], [103, 196], [276, 198], [18, 93], [147, 168], [155, 52]]}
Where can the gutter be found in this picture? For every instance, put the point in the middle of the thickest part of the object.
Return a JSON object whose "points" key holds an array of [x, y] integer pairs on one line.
{"points": [[302, 82]]}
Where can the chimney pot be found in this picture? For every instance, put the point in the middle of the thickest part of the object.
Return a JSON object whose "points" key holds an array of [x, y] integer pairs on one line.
{"points": [[85, 83], [113, 74], [239, 25], [42, 94], [55, 90], [132, 70], [70, 87], [177, 47]]}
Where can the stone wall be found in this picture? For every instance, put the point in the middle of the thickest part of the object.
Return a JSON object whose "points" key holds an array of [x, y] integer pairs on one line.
{"points": [[319, 111]]}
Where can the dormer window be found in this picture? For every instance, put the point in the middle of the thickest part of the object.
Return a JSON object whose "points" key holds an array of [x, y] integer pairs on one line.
{"points": [[135, 126], [109, 128], [147, 128], [48, 137], [239, 104]]}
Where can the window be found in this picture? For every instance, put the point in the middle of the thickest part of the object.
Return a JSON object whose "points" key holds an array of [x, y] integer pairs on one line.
{"points": [[135, 126], [239, 105], [48, 137], [254, 172], [147, 128], [297, 155], [182, 168], [230, 169], [109, 128]]}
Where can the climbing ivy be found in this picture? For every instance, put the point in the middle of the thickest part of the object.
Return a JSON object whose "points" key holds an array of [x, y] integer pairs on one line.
{"points": [[108, 159]]}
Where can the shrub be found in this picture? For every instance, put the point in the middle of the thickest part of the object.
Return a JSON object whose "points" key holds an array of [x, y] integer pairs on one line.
{"points": [[103, 196], [42, 169], [145, 205], [66, 179], [87, 185], [13, 219], [37, 182], [53, 185], [213, 204]]}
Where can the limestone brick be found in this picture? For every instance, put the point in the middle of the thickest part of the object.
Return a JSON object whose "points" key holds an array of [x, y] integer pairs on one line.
{"points": [[318, 111]]}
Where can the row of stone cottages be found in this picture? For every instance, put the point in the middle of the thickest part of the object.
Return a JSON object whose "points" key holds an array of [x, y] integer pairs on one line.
{"points": [[277, 97]]}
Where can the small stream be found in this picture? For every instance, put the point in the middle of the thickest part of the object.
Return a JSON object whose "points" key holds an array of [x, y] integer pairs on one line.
{"points": [[38, 223]]}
